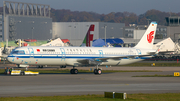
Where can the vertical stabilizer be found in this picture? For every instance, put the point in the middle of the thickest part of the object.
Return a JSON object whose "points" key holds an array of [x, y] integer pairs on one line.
{"points": [[147, 39], [89, 37]]}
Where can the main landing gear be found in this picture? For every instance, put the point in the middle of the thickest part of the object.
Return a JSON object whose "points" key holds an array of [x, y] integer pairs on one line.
{"points": [[40, 66], [97, 70], [74, 71], [62, 66]]}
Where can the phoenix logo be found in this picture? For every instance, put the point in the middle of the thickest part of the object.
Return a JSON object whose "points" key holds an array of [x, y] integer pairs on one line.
{"points": [[150, 36]]}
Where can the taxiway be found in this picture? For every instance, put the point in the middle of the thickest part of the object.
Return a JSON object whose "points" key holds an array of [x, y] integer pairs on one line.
{"points": [[88, 83]]}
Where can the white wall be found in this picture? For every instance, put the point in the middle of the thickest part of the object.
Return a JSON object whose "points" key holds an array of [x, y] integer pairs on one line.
{"points": [[138, 34], [74, 31]]}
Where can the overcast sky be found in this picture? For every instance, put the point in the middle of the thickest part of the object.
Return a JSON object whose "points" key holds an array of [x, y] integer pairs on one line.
{"points": [[107, 6]]}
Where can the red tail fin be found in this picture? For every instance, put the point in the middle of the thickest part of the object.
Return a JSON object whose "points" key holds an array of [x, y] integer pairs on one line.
{"points": [[89, 37]]}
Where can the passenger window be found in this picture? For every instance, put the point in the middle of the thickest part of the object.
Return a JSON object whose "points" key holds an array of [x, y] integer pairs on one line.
{"points": [[18, 52]]}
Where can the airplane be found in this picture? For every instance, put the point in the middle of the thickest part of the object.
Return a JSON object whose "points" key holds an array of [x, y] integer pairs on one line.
{"points": [[83, 56], [87, 42]]}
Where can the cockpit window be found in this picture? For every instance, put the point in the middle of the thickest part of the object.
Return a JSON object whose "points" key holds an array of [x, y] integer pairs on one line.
{"points": [[18, 52]]}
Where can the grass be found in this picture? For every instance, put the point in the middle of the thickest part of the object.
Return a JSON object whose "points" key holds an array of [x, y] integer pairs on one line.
{"points": [[130, 97], [11, 43], [150, 64], [140, 64], [156, 75], [109, 71]]}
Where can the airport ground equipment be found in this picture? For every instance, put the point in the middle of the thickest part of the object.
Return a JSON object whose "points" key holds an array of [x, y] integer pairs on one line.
{"points": [[115, 95], [19, 72], [176, 73]]}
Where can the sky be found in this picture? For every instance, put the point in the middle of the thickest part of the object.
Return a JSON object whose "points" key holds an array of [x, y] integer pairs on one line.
{"points": [[107, 6]]}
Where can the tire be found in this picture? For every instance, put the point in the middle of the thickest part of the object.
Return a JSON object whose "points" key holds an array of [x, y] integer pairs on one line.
{"points": [[99, 71], [71, 71], [62, 66], [18, 66], [75, 71], [22, 73], [40, 66], [95, 71]]}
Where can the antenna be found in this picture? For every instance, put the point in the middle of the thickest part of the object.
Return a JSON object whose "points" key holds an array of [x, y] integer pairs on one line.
{"points": [[170, 11]]}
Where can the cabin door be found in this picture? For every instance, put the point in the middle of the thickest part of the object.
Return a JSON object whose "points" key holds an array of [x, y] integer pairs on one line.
{"points": [[31, 52], [100, 53], [63, 54]]}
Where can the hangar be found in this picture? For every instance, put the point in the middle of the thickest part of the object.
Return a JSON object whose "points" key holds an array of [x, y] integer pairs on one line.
{"points": [[25, 21], [76, 31]]}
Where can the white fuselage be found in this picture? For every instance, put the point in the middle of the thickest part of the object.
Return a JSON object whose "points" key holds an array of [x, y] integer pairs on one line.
{"points": [[76, 56]]}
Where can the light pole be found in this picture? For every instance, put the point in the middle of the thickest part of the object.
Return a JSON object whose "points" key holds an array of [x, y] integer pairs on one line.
{"points": [[70, 32], [148, 20], [32, 32], [136, 39], [105, 34], [32, 27]]}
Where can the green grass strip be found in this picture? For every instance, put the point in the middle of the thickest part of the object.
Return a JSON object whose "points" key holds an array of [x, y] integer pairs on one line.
{"points": [[130, 97], [150, 64], [156, 75]]}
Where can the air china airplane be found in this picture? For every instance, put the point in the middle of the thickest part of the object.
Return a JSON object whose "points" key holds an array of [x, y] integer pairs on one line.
{"points": [[80, 56]]}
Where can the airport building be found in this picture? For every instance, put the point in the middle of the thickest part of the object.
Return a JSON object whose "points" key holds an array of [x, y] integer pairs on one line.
{"points": [[32, 21], [76, 31], [25, 21], [1, 26], [173, 27], [133, 33]]}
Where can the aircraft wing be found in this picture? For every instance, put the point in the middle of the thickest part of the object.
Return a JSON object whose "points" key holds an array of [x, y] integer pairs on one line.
{"points": [[97, 61], [165, 52]]}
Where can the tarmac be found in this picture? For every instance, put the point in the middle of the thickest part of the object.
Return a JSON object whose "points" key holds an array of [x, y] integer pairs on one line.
{"points": [[88, 83]]}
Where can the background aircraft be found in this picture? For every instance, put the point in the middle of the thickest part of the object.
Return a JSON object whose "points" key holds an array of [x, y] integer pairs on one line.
{"points": [[89, 37]]}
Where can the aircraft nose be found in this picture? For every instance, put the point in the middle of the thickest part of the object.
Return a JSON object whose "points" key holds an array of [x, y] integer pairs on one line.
{"points": [[7, 58]]}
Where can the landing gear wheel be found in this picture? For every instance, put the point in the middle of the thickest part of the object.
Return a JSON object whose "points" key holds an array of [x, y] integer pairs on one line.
{"points": [[62, 66], [97, 71], [40, 66], [71, 71], [22, 73], [74, 71], [18, 66]]}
